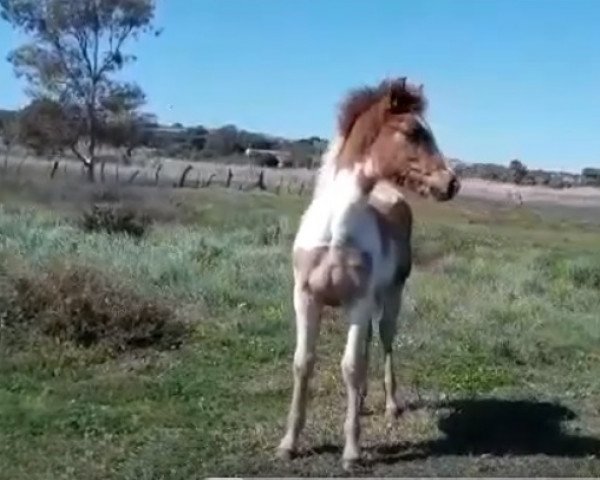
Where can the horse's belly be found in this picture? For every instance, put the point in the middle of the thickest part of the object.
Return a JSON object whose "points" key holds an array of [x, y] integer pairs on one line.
{"points": [[347, 271]]}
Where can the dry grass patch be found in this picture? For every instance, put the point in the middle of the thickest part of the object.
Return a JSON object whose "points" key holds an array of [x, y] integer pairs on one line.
{"points": [[113, 220], [78, 304]]}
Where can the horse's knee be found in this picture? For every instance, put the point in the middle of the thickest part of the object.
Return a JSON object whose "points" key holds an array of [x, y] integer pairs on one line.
{"points": [[352, 371], [304, 364]]}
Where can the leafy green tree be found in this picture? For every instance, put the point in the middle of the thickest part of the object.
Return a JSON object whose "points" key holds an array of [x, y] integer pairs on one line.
{"points": [[75, 50]]}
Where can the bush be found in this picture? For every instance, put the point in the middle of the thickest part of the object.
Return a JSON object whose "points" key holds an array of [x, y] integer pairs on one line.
{"points": [[581, 271], [585, 273], [81, 305], [115, 220]]}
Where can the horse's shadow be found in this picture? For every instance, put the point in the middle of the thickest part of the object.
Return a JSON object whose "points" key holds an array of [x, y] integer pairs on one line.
{"points": [[494, 427]]}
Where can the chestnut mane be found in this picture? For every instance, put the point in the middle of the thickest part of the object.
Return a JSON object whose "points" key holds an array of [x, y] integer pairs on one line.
{"points": [[360, 101]]}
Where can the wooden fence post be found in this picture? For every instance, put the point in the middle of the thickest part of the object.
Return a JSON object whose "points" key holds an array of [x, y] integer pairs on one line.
{"points": [[229, 178], [157, 174], [133, 177], [54, 169], [260, 183], [209, 180], [187, 170]]}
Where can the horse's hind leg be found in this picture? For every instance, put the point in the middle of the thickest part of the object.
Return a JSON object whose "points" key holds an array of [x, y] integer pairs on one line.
{"points": [[365, 385], [387, 332], [308, 313]]}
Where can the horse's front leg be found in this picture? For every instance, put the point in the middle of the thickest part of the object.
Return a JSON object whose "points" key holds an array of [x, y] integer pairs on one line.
{"points": [[308, 316], [354, 370]]}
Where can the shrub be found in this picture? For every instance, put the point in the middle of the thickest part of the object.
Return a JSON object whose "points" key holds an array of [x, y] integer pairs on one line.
{"points": [[115, 220], [582, 271], [585, 272], [79, 304], [106, 195]]}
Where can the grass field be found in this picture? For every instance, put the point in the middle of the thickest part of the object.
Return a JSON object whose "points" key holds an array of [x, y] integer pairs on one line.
{"points": [[168, 355]]}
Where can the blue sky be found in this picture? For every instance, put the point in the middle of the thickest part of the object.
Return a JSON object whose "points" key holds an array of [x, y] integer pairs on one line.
{"points": [[504, 78]]}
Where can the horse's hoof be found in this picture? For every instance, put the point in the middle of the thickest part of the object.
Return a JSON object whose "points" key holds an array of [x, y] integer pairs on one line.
{"points": [[393, 412], [350, 464], [365, 411], [285, 454]]}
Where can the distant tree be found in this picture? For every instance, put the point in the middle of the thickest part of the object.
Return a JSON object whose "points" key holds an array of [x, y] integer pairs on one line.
{"points": [[76, 49], [122, 126], [224, 141], [259, 141], [590, 172], [198, 131], [518, 171], [127, 132], [48, 128], [590, 176], [196, 137], [198, 142]]}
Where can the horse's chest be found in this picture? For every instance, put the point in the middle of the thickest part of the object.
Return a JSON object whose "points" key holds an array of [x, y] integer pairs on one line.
{"points": [[364, 230], [359, 229]]}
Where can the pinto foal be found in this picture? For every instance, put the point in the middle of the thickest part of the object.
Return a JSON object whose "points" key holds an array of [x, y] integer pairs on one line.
{"points": [[352, 249]]}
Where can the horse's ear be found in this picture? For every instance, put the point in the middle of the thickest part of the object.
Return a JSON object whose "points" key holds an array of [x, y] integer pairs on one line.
{"points": [[396, 93], [421, 89]]}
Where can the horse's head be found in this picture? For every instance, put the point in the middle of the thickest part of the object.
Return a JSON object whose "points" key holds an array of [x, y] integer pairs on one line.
{"points": [[387, 138]]}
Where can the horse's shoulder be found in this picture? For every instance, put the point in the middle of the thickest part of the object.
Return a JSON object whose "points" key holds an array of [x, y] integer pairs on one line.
{"points": [[391, 209]]}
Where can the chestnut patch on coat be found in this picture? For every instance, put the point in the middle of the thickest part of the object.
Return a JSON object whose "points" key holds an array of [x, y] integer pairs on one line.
{"points": [[334, 275]]}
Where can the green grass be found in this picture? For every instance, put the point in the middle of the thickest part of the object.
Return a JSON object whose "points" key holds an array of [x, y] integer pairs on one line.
{"points": [[500, 306]]}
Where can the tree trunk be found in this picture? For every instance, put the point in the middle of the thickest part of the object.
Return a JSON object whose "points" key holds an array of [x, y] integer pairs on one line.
{"points": [[87, 164], [93, 136]]}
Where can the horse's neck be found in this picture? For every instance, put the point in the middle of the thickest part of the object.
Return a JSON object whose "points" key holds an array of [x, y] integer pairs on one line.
{"points": [[328, 170], [339, 185]]}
